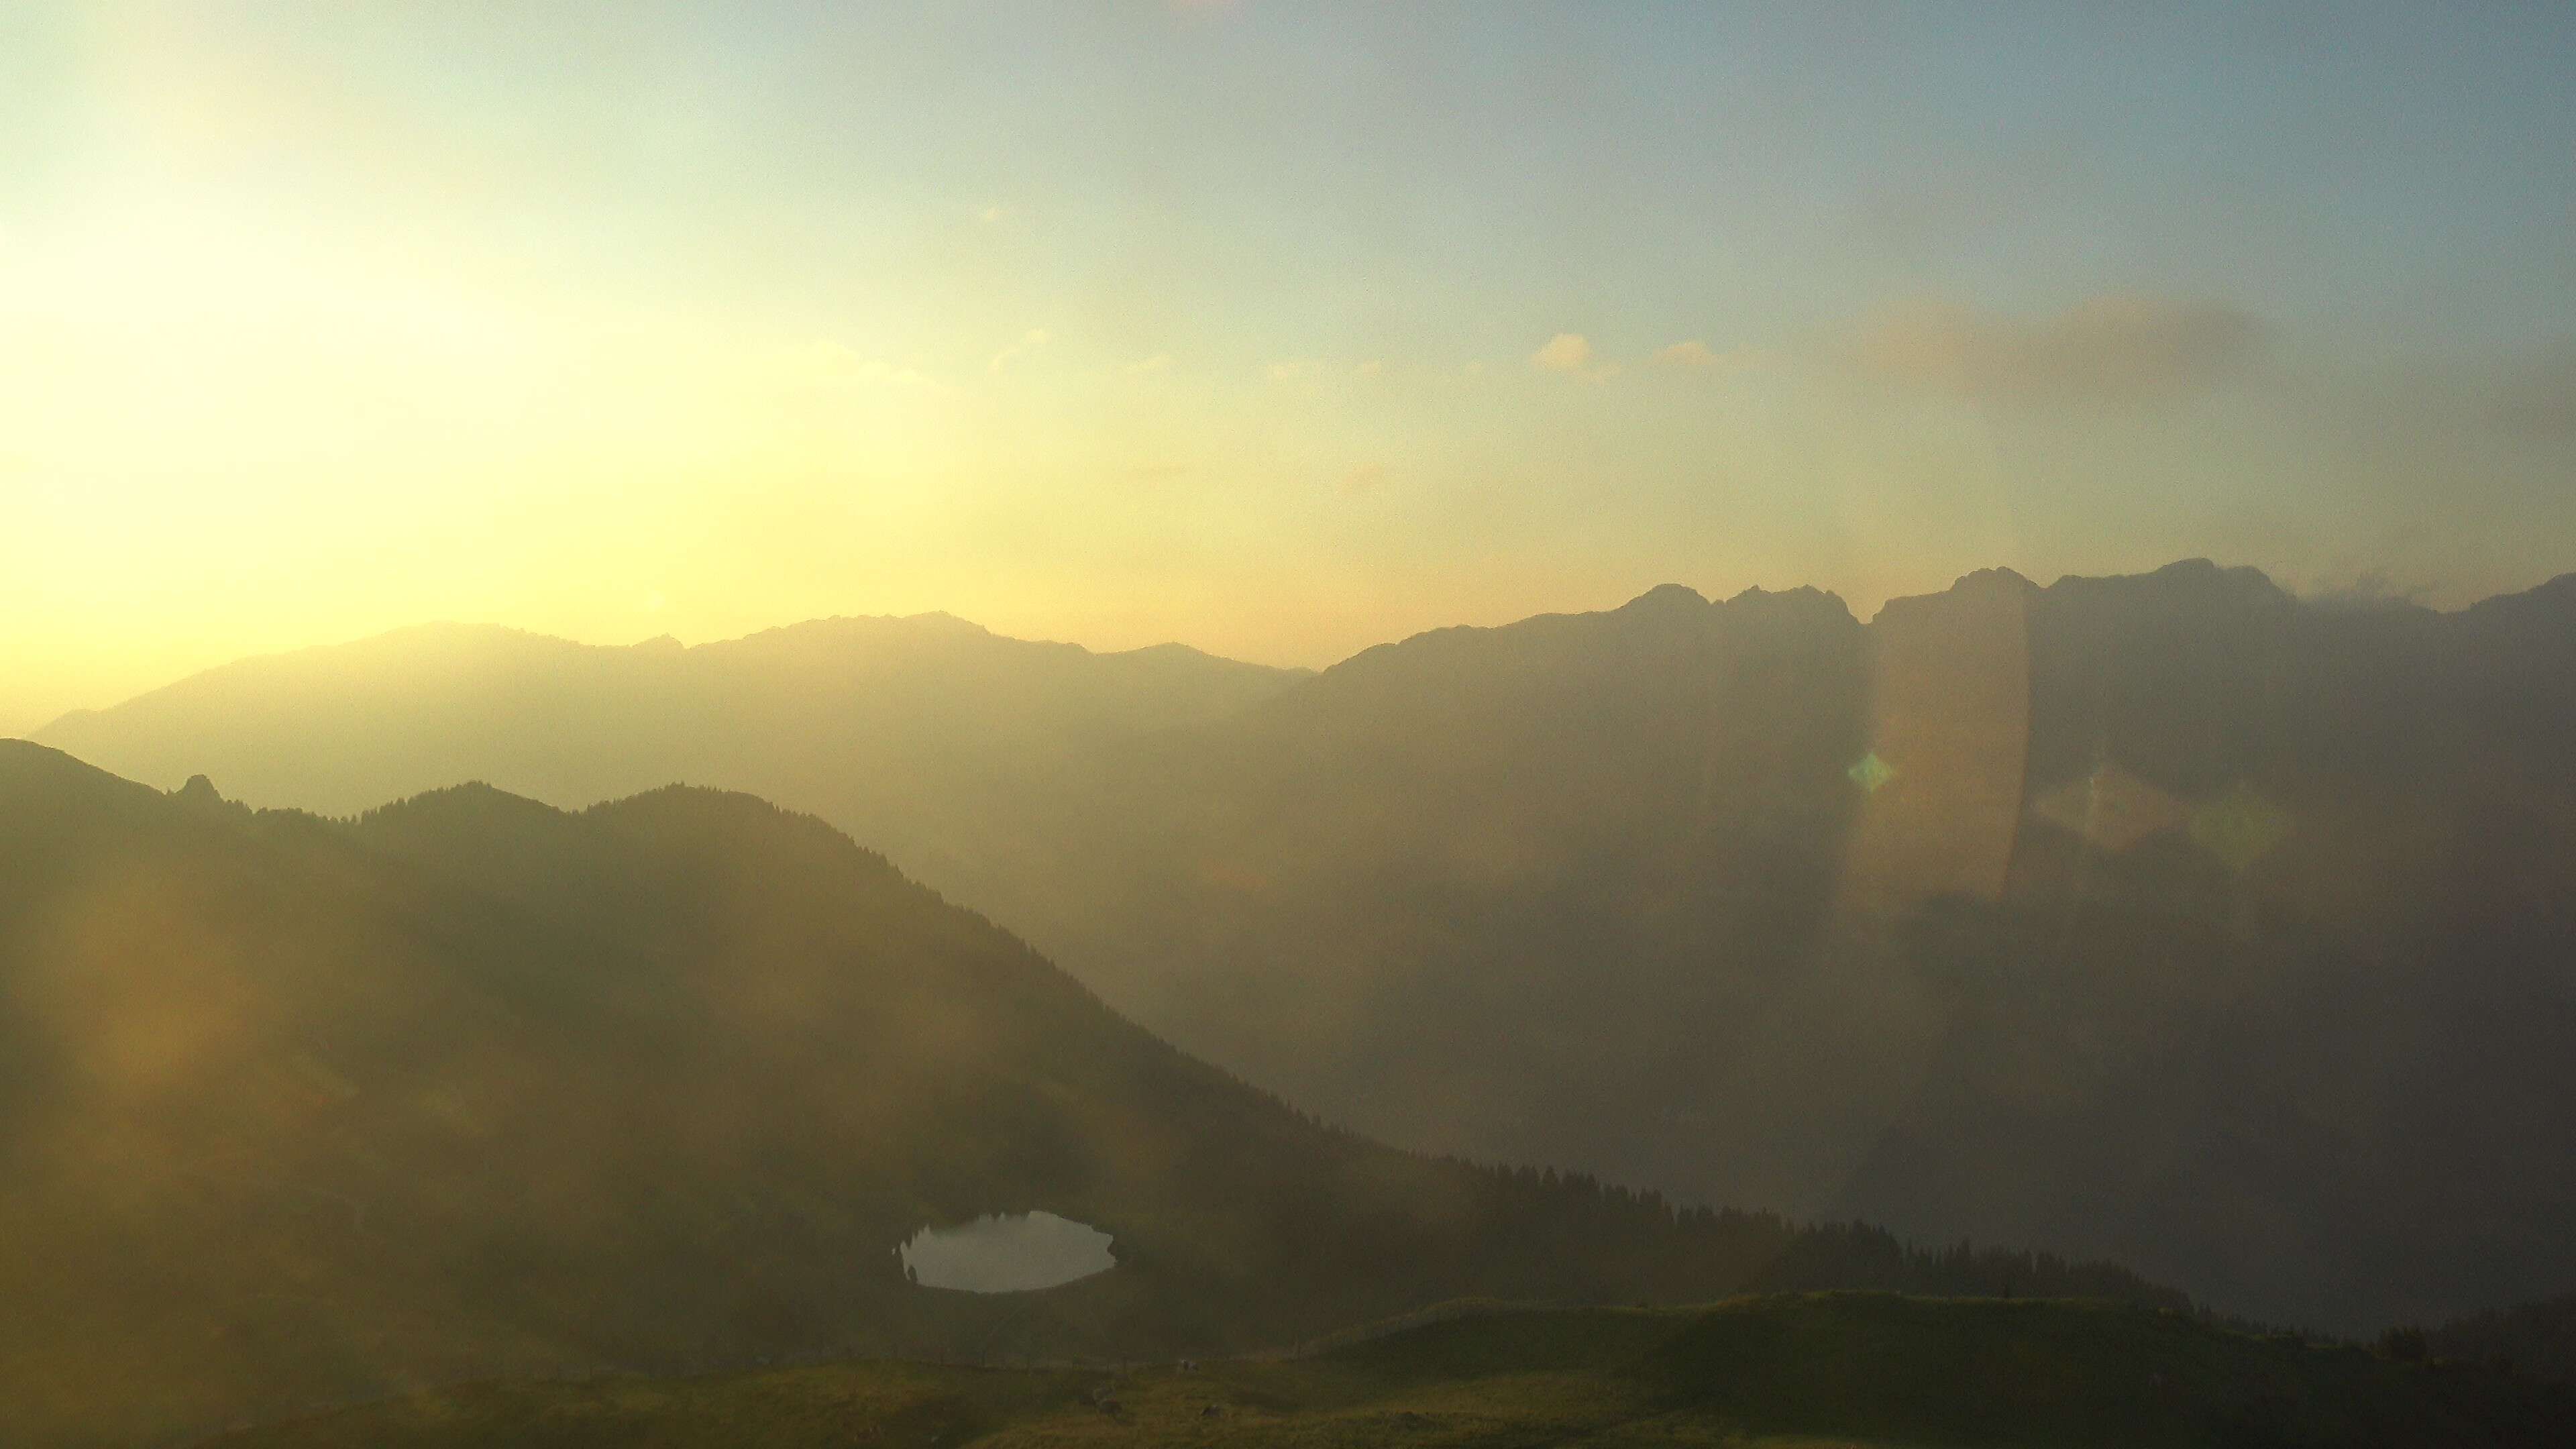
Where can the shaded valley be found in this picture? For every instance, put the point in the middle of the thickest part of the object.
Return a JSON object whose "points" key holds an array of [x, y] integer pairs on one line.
{"points": [[296, 1111]]}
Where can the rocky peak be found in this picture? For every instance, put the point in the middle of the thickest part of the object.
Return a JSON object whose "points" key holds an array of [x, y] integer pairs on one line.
{"points": [[1667, 596]]}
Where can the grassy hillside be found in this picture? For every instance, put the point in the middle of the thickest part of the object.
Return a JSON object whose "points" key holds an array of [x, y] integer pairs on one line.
{"points": [[1838, 1369]]}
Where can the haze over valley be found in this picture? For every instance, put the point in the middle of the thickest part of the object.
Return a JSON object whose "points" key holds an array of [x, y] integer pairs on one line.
{"points": [[2154, 859], [1210, 722]]}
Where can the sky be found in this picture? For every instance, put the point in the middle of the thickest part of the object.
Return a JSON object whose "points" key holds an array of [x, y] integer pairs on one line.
{"points": [[1280, 330]]}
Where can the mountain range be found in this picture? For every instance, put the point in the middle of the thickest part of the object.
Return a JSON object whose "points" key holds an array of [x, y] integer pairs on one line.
{"points": [[2167, 918]]}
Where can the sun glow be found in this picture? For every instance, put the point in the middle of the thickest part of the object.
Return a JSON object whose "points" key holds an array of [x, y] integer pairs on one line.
{"points": [[386, 314]]}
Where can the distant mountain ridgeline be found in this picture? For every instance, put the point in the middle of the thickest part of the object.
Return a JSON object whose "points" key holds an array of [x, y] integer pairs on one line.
{"points": [[2166, 918], [901, 730], [295, 1111]]}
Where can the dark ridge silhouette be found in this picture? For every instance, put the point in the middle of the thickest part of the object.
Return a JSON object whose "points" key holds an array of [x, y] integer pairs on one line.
{"points": [[298, 1110], [2166, 918]]}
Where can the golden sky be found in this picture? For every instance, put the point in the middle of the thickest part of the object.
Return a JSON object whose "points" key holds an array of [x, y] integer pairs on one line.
{"points": [[1276, 330]]}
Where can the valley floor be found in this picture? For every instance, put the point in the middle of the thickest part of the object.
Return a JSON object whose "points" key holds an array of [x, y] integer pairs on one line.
{"points": [[1781, 1372]]}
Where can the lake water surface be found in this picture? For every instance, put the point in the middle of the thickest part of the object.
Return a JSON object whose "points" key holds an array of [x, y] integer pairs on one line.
{"points": [[1007, 1253]]}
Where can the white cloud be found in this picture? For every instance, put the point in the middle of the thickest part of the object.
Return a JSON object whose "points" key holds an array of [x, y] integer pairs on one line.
{"points": [[1160, 362], [992, 213], [1370, 368], [1031, 340], [1565, 352], [1289, 371]]}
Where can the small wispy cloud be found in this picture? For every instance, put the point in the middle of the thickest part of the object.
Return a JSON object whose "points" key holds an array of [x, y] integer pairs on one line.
{"points": [[1290, 371], [1160, 362], [1565, 352], [1366, 478], [992, 212], [1697, 356], [1030, 341], [1370, 368]]}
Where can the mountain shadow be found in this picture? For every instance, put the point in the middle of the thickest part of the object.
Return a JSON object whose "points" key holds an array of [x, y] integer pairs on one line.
{"points": [[295, 1110]]}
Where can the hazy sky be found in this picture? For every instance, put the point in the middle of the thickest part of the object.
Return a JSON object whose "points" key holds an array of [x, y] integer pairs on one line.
{"points": [[1277, 329]]}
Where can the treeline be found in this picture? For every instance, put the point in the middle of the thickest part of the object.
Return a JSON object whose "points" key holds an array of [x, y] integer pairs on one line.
{"points": [[2533, 1338], [1732, 1250]]}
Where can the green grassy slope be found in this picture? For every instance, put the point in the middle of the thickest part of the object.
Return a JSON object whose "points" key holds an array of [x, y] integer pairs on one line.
{"points": [[1843, 1369]]}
